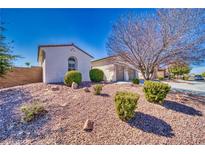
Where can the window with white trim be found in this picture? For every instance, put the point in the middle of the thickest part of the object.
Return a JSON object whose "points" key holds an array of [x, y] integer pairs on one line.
{"points": [[72, 64]]}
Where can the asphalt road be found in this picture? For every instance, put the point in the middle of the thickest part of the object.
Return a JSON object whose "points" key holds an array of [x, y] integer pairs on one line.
{"points": [[195, 87]]}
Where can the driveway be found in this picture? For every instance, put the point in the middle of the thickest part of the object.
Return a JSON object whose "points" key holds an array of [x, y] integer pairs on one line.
{"points": [[194, 87]]}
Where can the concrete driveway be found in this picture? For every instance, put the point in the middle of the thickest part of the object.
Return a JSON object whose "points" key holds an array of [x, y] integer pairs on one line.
{"points": [[194, 87]]}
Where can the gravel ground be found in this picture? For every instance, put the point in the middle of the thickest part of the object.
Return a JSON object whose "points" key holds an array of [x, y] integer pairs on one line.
{"points": [[180, 121]]}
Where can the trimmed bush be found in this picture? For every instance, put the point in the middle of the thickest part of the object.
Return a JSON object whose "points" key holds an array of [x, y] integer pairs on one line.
{"points": [[96, 75], [72, 76], [155, 91], [186, 78], [160, 78], [31, 111], [125, 104], [97, 89], [135, 81]]}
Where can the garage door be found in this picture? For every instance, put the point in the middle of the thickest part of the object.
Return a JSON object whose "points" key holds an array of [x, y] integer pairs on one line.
{"points": [[131, 74], [120, 73]]}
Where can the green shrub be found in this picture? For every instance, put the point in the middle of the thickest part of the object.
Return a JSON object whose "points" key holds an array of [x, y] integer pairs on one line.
{"points": [[135, 81], [160, 78], [97, 89], [32, 111], [96, 75], [125, 104], [203, 74], [72, 76], [186, 78], [156, 92]]}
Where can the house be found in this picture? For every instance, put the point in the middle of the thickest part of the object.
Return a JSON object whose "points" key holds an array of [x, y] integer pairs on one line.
{"points": [[114, 71], [56, 60]]}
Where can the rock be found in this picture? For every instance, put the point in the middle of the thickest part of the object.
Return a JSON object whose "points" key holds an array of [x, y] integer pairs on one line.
{"points": [[74, 85], [61, 130], [64, 104], [178, 97], [103, 82], [55, 88], [20, 135], [11, 127], [86, 89], [88, 126]]}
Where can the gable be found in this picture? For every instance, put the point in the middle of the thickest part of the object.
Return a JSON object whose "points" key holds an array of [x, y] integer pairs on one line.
{"points": [[40, 50]]}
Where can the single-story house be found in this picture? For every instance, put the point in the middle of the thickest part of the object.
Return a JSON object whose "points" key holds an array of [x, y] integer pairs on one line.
{"points": [[114, 71], [56, 60]]}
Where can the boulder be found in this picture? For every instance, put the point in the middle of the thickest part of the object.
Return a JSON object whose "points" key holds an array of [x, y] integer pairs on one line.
{"points": [[74, 85], [55, 88], [88, 126], [86, 89]]}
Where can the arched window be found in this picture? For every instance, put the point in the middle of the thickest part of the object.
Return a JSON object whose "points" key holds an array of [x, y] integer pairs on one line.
{"points": [[72, 63]]}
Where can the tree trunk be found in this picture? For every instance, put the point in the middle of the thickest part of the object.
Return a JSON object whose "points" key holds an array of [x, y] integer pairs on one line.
{"points": [[147, 75]]}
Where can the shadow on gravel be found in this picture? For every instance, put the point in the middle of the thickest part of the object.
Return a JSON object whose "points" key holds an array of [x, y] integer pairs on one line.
{"points": [[10, 120], [151, 124], [178, 107], [104, 95], [197, 99]]}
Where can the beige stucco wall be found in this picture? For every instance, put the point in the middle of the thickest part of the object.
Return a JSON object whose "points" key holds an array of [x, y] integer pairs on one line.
{"points": [[160, 73], [20, 76], [108, 66], [55, 64]]}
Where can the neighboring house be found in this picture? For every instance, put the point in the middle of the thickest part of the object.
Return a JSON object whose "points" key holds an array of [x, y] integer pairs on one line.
{"points": [[56, 60], [162, 73], [115, 71]]}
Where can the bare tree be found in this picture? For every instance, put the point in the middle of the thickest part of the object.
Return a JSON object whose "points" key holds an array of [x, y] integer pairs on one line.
{"points": [[150, 41]]}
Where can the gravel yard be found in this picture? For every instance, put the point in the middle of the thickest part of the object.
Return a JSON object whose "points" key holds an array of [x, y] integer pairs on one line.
{"points": [[180, 121]]}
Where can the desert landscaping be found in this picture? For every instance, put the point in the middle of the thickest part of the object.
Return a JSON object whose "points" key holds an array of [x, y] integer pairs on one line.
{"points": [[138, 78], [179, 121]]}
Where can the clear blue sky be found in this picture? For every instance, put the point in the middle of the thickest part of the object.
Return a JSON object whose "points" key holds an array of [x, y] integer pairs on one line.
{"points": [[87, 28]]}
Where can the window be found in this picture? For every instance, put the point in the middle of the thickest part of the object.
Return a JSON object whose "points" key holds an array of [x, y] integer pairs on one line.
{"points": [[72, 64]]}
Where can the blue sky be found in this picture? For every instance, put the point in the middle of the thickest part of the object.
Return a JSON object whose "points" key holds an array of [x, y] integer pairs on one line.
{"points": [[87, 28]]}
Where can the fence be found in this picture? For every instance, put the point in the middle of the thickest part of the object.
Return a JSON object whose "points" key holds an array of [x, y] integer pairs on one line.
{"points": [[21, 76]]}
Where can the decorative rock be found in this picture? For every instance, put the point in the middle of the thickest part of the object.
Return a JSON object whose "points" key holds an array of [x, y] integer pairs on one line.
{"points": [[88, 126], [103, 82], [74, 85], [64, 104], [55, 88], [86, 89], [20, 135]]}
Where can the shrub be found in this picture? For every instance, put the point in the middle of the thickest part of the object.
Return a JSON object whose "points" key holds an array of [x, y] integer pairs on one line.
{"points": [[97, 89], [32, 111], [186, 78], [155, 91], [72, 76], [135, 81], [160, 78], [96, 75], [125, 104], [203, 74]]}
